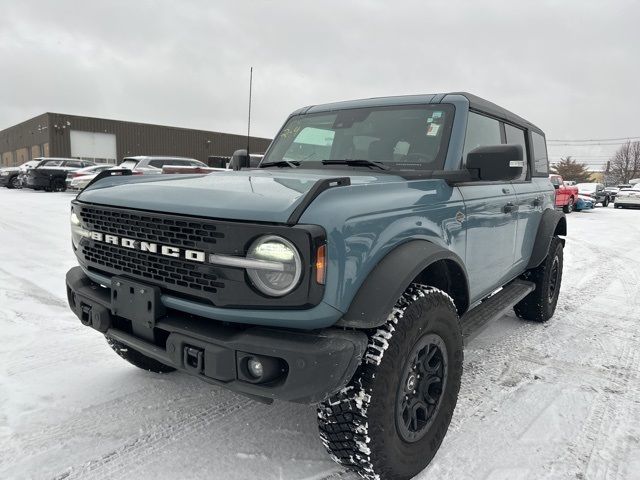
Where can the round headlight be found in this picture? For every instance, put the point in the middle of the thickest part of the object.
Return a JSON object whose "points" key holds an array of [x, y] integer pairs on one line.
{"points": [[77, 230], [278, 265]]}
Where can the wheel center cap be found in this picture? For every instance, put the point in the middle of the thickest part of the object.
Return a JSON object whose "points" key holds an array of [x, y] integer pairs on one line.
{"points": [[411, 382]]}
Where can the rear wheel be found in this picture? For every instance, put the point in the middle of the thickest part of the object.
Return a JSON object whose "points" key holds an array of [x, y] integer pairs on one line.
{"points": [[58, 185], [540, 304], [568, 208], [389, 422], [136, 358]]}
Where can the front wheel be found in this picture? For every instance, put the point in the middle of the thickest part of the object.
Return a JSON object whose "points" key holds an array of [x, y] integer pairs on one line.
{"points": [[389, 422], [568, 208], [605, 202], [540, 305], [14, 182]]}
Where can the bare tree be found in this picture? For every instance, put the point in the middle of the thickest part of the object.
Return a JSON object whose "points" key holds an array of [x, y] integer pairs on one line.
{"points": [[625, 164]]}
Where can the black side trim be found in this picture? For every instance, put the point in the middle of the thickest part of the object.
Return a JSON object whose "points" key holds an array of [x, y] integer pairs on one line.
{"points": [[108, 173], [390, 278], [550, 220], [319, 187]]}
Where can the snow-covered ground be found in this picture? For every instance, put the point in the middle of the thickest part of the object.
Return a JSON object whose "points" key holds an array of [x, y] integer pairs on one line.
{"points": [[556, 401]]}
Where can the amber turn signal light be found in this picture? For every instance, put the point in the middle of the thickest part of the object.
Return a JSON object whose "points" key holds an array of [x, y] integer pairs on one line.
{"points": [[321, 264]]}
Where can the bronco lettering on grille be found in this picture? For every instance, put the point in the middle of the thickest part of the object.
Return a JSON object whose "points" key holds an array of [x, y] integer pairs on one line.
{"points": [[166, 250]]}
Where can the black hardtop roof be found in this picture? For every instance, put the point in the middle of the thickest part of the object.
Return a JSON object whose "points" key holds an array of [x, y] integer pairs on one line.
{"points": [[475, 103]]}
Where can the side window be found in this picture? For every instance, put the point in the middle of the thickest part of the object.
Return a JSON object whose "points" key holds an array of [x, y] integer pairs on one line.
{"points": [[515, 136], [540, 161], [156, 163], [73, 164], [481, 131]]}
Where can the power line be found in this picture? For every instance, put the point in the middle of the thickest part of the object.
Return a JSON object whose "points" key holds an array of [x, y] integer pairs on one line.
{"points": [[595, 139]]}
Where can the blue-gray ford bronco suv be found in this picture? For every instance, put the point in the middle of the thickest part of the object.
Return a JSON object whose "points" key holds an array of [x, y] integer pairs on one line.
{"points": [[346, 271]]}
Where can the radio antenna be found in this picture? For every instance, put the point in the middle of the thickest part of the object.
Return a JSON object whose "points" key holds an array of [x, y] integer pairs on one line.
{"points": [[249, 120]]}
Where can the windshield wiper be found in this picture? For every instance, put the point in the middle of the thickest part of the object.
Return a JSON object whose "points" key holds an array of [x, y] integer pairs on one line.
{"points": [[281, 163], [356, 162]]}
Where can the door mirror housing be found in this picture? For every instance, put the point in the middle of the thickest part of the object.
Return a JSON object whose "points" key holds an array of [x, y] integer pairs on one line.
{"points": [[496, 162], [239, 160], [556, 186]]}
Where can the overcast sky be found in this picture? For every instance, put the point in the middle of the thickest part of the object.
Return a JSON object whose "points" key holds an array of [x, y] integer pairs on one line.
{"points": [[571, 67]]}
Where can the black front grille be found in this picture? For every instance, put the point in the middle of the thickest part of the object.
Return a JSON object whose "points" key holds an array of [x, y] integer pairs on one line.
{"points": [[173, 274], [170, 231], [177, 274], [218, 285]]}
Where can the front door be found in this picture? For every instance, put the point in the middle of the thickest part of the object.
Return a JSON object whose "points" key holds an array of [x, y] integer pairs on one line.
{"points": [[491, 225], [491, 216]]}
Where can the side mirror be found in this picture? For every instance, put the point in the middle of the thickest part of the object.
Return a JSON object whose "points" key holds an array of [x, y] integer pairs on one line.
{"points": [[556, 186], [496, 162], [239, 160]]}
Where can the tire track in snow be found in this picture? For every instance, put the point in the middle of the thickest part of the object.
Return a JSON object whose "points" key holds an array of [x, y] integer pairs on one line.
{"points": [[141, 451]]}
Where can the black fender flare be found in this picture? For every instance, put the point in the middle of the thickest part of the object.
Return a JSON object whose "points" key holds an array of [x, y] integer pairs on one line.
{"points": [[553, 222], [389, 279]]}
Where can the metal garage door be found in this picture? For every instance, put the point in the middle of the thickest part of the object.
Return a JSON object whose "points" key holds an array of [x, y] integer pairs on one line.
{"points": [[98, 147]]}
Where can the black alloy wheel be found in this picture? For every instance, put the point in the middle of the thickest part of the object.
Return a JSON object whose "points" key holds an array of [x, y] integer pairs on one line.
{"points": [[420, 391]]}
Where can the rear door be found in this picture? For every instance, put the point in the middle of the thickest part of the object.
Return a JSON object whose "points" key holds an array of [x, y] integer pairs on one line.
{"points": [[529, 199], [491, 217]]}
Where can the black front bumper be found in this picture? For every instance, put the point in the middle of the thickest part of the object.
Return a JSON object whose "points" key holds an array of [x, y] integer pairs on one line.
{"points": [[4, 180], [311, 365]]}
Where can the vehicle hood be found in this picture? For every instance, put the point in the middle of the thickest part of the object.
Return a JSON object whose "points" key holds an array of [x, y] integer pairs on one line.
{"points": [[254, 195], [10, 169]]}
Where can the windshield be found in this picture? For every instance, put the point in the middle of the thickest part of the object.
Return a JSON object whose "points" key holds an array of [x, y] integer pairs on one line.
{"points": [[129, 164], [404, 137]]}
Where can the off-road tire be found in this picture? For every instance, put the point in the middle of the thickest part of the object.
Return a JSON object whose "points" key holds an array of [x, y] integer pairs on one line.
{"points": [[136, 358], [568, 208], [540, 305], [359, 425]]}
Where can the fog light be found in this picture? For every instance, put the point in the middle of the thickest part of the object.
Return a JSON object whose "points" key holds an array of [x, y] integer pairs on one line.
{"points": [[255, 367]]}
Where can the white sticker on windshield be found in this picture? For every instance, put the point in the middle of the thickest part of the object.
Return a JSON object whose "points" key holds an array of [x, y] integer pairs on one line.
{"points": [[436, 114], [432, 131]]}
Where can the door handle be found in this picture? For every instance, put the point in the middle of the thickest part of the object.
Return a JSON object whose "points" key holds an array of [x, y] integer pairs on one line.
{"points": [[510, 208]]}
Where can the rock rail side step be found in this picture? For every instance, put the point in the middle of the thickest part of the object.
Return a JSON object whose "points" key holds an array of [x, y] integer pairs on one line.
{"points": [[476, 320]]}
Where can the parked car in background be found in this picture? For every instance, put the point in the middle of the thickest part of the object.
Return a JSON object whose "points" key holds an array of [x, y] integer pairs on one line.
{"points": [[613, 191], [10, 176], [583, 202], [196, 166], [628, 197], [51, 173], [566, 195], [144, 165], [595, 191], [79, 179]]}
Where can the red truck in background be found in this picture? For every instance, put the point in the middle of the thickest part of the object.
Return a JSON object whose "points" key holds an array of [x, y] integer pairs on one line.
{"points": [[566, 196]]}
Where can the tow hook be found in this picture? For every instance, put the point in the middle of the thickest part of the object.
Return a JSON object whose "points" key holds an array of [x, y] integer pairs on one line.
{"points": [[85, 314], [193, 359]]}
